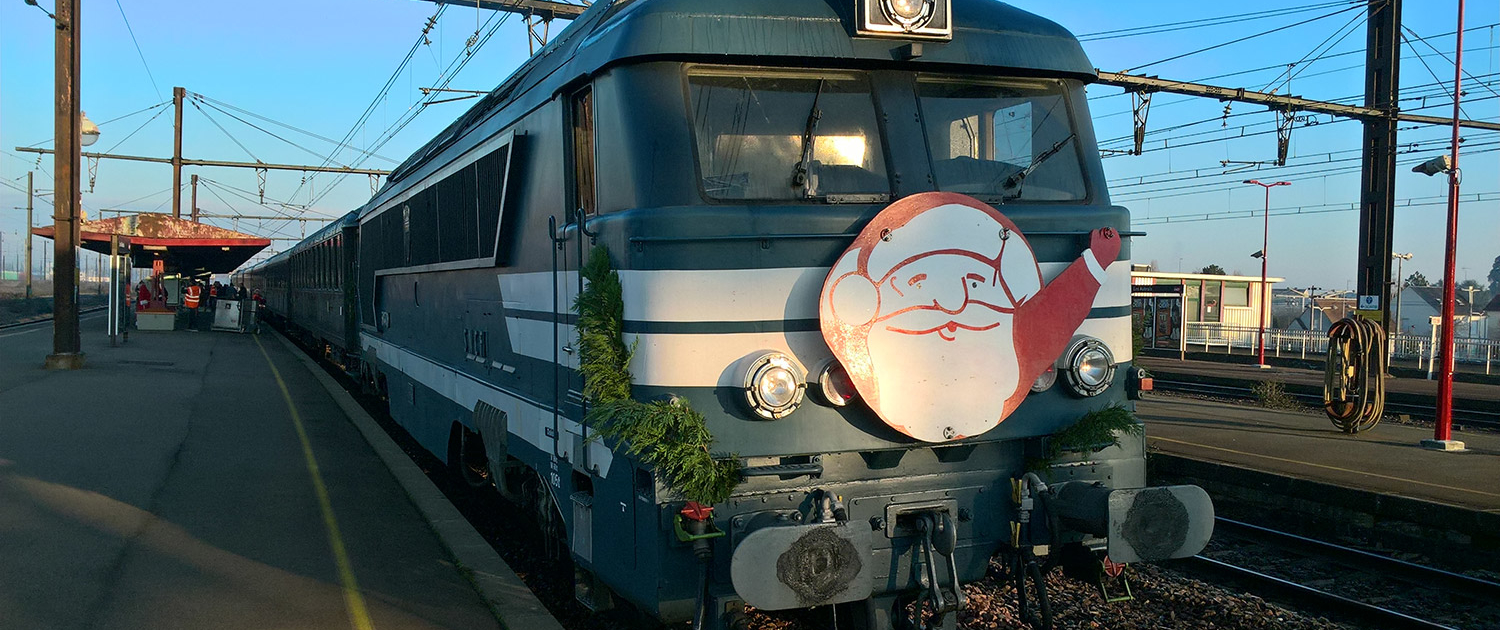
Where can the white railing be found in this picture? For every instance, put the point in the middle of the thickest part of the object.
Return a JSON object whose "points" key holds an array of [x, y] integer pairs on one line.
{"points": [[1228, 339]]}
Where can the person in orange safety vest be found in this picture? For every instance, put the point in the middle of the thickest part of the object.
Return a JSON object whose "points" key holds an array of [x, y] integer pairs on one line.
{"points": [[192, 294]]}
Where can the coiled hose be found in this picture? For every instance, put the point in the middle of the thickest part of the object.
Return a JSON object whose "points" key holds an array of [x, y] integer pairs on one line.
{"points": [[1354, 384]]}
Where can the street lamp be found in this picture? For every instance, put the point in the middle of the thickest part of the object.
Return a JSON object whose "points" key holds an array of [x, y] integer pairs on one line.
{"points": [[1400, 282], [1442, 438], [88, 132], [1260, 336]]}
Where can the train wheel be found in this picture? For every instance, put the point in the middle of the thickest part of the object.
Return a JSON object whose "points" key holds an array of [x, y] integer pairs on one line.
{"points": [[466, 456]]}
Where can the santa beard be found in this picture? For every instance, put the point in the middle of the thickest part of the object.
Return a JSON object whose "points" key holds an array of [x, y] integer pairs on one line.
{"points": [[940, 390]]}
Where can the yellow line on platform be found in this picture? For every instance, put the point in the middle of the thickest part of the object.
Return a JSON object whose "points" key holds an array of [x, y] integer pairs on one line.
{"points": [[359, 616], [1327, 467]]}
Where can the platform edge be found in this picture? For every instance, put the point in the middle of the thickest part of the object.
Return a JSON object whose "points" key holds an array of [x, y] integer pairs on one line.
{"points": [[509, 599]]}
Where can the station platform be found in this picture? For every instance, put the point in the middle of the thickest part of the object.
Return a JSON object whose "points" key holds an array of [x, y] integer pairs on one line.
{"points": [[1387, 459], [206, 480]]}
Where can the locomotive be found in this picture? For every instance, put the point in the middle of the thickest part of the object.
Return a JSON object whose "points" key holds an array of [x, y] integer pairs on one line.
{"points": [[868, 242]]}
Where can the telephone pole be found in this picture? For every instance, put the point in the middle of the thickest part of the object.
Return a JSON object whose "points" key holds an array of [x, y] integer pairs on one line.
{"points": [[67, 348], [177, 94], [29, 193]]}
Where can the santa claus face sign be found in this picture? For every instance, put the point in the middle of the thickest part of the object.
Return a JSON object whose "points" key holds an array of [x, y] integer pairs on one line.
{"points": [[939, 314]]}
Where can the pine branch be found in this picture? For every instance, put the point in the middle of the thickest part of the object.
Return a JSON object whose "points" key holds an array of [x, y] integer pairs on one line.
{"points": [[668, 436]]}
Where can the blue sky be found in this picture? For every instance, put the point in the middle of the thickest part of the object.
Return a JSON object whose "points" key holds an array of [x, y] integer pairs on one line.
{"points": [[317, 65]]}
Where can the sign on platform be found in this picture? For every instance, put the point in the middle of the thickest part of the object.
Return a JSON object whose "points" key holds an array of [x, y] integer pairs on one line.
{"points": [[1369, 302]]}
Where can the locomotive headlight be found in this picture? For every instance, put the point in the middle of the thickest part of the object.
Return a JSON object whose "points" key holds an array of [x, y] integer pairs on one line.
{"points": [[1090, 366], [835, 385], [1045, 381], [909, 9], [773, 386]]}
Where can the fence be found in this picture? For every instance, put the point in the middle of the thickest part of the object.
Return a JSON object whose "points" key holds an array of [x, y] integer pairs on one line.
{"points": [[1214, 337]]}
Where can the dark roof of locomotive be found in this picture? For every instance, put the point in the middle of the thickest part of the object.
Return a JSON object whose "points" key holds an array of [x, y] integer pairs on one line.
{"points": [[334, 226], [986, 34]]}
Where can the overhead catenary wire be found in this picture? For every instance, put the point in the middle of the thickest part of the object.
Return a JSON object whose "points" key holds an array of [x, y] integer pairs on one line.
{"points": [[223, 106], [380, 94], [1314, 56], [454, 68], [1205, 22], [1447, 59], [1240, 39], [221, 128], [137, 43]]}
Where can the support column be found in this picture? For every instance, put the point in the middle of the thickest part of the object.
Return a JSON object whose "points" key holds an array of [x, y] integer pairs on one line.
{"points": [[177, 94], [193, 199], [29, 194], [67, 351], [1378, 176]]}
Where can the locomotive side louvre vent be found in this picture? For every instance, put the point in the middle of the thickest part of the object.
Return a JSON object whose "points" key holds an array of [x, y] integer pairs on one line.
{"points": [[494, 429]]}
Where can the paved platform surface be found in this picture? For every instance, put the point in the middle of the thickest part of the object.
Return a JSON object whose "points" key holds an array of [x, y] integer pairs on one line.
{"points": [[1386, 459], [170, 485]]}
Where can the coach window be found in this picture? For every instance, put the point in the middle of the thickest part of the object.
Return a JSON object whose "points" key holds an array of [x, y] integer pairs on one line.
{"points": [[766, 135], [582, 115]]}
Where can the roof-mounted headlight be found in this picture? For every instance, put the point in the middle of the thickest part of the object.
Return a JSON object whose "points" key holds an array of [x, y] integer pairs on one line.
{"points": [[1089, 366], [773, 385]]}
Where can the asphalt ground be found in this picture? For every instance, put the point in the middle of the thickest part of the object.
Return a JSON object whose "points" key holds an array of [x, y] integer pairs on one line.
{"points": [[1303, 444], [203, 480]]}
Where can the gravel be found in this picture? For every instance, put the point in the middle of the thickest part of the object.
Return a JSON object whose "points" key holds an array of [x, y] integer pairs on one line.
{"points": [[1164, 598]]}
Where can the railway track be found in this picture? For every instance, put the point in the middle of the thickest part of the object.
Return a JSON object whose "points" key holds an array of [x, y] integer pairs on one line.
{"points": [[1470, 416], [40, 320], [1392, 593]]}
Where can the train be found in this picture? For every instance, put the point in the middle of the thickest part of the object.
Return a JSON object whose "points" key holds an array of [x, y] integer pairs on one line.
{"points": [[867, 282]]}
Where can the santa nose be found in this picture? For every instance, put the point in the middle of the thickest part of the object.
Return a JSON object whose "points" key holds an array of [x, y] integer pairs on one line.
{"points": [[951, 295]]}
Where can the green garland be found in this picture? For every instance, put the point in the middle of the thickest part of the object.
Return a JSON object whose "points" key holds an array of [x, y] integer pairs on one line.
{"points": [[1097, 429], [669, 436]]}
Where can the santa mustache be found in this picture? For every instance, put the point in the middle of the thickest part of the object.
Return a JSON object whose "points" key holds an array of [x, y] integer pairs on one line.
{"points": [[972, 315]]}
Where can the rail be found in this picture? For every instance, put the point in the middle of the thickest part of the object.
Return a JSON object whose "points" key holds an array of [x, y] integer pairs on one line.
{"points": [[1466, 415], [1400, 571], [1214, 337]]}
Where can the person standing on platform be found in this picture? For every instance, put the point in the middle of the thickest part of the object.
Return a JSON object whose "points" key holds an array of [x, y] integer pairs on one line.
{"points": [[191, 295]]}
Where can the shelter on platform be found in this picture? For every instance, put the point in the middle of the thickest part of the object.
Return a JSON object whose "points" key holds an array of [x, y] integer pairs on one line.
{"points": [[185, 247]]}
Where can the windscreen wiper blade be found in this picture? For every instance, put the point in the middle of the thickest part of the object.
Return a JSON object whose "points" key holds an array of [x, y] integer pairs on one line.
{"points": [[799, 172], [1019, 177]]}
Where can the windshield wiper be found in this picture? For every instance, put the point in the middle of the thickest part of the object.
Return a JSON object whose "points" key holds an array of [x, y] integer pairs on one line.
{"points": [[1019, 177], [799, 172]]}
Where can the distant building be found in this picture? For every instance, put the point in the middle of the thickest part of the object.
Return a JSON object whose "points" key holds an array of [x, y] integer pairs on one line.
{"points": [[1492, 314], [1420, 308], [1214, 299]]}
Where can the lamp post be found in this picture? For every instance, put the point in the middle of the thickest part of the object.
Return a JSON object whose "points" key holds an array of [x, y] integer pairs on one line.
{"points": [[1400, 282], [1260, 336], [1442, 439]]}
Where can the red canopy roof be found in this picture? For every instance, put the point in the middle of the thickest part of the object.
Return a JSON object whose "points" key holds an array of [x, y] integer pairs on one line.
{"points": [[187, 247]]}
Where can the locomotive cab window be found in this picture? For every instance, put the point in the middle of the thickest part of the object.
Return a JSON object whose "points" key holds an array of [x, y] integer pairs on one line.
{"points": [[785, 136], [583, 149], [1002, 141]]}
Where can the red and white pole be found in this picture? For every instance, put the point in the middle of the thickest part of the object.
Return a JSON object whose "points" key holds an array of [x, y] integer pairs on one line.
{"points": [[1443, 432]]}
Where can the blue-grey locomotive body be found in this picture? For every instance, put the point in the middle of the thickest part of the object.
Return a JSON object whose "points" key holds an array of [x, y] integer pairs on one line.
{"points": [[726, 154]]}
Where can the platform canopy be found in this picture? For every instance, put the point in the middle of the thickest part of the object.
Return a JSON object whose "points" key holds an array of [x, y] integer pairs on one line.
{"points": [[185, 246]]}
